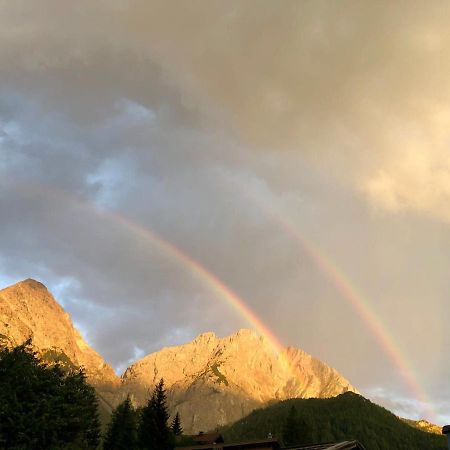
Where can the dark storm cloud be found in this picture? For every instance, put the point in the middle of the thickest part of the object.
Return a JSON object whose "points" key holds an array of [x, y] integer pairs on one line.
{"points": [[177, 115]]}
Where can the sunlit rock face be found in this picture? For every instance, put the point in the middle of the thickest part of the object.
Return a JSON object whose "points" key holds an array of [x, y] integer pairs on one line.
{"points": [[213, 381], [28, 310], [210, 381]]}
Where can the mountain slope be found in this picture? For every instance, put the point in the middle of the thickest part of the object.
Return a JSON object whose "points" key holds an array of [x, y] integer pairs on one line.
{"points": [[213, 381], [346, 417], [424, 425], [28, 310]]}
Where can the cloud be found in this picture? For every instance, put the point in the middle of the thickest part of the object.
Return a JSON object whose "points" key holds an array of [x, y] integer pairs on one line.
{"points": [[415, 176], [335, 116], [363, 85]]}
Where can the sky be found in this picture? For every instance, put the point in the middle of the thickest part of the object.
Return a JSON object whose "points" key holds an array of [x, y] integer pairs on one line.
{"points": [[298, 151]]}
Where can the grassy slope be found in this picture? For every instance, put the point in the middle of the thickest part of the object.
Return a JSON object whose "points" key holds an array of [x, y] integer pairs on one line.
{"points": [[348, 416]]}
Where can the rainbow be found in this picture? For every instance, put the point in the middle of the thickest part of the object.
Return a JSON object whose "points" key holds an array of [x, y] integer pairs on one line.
{"points": [[342, 284], [204, 275], [170, 250], [356, 300]]}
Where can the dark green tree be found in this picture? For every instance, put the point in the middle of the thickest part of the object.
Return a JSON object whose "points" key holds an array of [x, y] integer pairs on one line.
{"points": [[78, 411], [147, 426], [292, 433], [122, 430], [154, 432], [176, 428], [42, 406]]}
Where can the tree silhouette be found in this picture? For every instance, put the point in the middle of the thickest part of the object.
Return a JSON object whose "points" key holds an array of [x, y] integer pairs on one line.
{"points": [[44, 406], [154, 432], [176, 427], [122, 430]]}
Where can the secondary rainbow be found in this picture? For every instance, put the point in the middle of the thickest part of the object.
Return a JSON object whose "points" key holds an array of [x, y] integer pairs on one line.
{"points": [[219, 287], [351, 295]]}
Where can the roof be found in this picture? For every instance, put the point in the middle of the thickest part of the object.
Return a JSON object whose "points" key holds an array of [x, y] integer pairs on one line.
{"points": [[347, 445], [446, 429], [237, 445], [207, 438]]}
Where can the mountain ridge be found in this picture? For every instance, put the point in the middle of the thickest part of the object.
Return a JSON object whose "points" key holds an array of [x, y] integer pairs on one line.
{"points": [[211, 381], [29, 311], [214, 381]]}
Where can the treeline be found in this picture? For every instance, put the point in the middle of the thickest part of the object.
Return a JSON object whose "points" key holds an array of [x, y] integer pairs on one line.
{"points": [[346, 417], [50, 407], [144, 428]]}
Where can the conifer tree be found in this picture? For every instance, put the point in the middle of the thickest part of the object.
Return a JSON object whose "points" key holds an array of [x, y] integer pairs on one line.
{"points": [[78, 409], [122, 430], [44, 406], [176, 427], [154, 432]]}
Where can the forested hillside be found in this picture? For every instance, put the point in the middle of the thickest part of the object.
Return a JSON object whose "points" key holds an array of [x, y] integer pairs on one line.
{"points": [[348, 416]]}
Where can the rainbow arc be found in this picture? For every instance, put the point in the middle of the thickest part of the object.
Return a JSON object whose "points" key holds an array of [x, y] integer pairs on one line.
{"points": [[215, 284]]}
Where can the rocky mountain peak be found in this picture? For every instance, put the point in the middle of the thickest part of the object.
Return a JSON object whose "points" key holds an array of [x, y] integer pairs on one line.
{"points": [[31, 283], [207, 337], [31, 292], [245, 337], [212, 381], [245, 333], [28, 310]]}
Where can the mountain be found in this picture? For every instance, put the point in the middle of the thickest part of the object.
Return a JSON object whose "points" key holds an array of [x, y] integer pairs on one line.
{"points": [[210, 381], [424, 425], [213, 381], [28, 310], [345, 417]]}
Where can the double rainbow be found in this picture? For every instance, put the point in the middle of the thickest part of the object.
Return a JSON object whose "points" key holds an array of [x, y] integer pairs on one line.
{"points": [[324, 264]]}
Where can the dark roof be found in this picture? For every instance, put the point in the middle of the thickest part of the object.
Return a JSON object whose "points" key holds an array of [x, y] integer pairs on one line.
{"points": [[207, 438], [347, 445], [446, 429], [236, 445]]}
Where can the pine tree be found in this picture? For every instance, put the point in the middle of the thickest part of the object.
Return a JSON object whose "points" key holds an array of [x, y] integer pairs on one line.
{"points": [[176, 427], [122, 430], [154, 432], [42, 406], [78, 407], [147, 426]]}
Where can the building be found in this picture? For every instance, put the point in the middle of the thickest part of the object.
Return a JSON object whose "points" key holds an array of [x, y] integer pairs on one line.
{"points": [[206, 439], [214, 441]]}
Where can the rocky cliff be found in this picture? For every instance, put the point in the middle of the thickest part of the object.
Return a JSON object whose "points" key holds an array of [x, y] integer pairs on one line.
{"points": [[28, 310], [213, 381]]}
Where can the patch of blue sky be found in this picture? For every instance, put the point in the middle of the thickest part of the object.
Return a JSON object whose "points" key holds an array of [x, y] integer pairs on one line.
{"points": [[138, 353], [63, 288], [111, 181]]}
